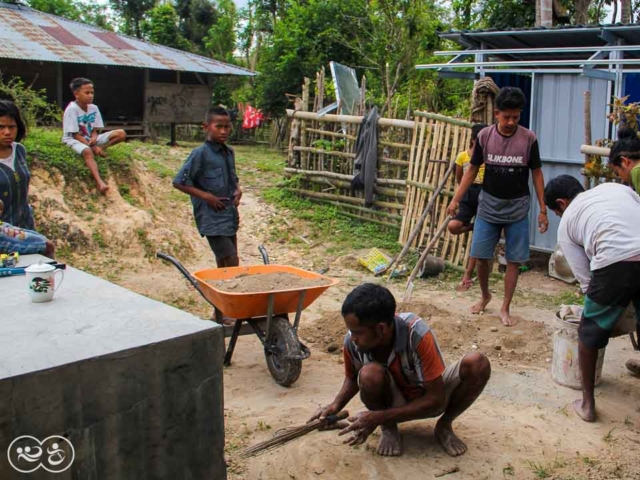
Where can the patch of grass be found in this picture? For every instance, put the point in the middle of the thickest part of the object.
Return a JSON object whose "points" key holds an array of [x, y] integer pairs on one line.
{"points": [[270, 164], [178, 196], [147, 245], [509, 471], [98, 239], [628, 422], [542, 470], [328, 222], [160, 169], [44, 147], [90, 206], [262, 426], [125, 193], [608, 438], [589, 461], [539, 470], [569, 297]]}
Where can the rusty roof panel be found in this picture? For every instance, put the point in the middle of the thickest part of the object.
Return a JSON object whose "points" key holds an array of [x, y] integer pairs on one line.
{"points": [[63, 36], [28, 34], [114, 40]]}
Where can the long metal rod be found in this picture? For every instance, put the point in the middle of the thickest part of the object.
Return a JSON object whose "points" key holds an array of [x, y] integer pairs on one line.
{"points": [[530, 63], [232, 342], [270, 301], [301, 298], [512, 51], [537, 32]]}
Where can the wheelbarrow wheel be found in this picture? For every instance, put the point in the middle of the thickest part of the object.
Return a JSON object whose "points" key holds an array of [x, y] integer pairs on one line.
{"points": [[284, 370]]}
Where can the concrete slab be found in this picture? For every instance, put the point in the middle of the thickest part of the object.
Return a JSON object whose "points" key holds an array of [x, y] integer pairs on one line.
{"points": [[136, 385]]}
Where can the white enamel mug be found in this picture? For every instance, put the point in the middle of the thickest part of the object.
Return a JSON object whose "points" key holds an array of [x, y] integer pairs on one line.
{"points": [[42, 284]]}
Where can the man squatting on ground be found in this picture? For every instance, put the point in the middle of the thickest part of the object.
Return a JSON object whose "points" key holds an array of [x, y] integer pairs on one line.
{"points": [[508, 152], [395, 363], [599, 235], [81, 123]]}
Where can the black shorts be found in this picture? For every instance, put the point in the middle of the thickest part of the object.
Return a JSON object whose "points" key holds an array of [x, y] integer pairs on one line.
{"points": [[469, 205], [610, 291], [223, 247]]}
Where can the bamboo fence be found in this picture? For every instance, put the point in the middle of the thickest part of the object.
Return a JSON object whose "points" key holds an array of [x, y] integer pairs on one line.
{"points": [[322, 152], [437, 140], [413, 156]]}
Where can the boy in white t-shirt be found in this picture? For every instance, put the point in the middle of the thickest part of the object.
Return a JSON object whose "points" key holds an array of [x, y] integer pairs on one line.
{"points": [[80, 125]]}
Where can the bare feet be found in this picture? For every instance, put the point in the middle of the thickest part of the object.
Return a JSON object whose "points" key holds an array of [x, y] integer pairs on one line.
{"points": [[103, 188], [448, 440], [481, 305], [585, 412], [633, 365], [465, 284], [391, 442], [507, 319]]}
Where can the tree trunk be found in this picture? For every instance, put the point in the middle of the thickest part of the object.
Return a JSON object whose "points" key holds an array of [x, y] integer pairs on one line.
{"points": [[544, 13], [625, 11], [582, 12], [615, 11]]}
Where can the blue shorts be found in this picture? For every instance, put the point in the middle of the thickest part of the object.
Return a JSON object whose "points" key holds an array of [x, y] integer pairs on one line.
{"points": [[486, 236], [21, 240]]}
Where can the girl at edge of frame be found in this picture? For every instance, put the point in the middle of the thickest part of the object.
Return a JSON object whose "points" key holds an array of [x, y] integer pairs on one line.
{"points": [[624, 157], [16, 216]]}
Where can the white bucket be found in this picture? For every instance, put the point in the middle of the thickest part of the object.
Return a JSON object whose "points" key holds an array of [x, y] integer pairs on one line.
{"points": [[565, 367]]}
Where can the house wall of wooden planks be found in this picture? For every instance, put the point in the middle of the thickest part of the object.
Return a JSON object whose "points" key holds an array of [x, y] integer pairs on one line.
{"points": [[413, 158]]}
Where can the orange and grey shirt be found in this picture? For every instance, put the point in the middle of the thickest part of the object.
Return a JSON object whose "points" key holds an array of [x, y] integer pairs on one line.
{"points": [[414, 360]]}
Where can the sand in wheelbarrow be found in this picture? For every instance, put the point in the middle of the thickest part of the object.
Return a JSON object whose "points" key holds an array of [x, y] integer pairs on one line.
{"points": [[266, 282]]}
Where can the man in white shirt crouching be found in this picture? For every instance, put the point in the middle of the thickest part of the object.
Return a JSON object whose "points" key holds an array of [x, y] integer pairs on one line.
{"points": [[599, 235]]}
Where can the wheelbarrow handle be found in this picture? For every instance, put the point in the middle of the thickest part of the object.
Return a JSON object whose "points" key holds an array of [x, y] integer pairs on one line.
{"points": [[265, 255], [168, 258]]}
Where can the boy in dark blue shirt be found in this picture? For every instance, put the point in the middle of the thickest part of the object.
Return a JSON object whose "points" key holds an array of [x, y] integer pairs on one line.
{"points": [[209, 177]]}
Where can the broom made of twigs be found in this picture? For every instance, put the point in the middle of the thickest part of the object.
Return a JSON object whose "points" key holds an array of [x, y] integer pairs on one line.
{"points": [[291, 433]]}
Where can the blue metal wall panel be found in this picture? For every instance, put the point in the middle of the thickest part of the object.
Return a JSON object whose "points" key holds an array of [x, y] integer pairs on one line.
{"points": [[558, 120], [632, 87]]}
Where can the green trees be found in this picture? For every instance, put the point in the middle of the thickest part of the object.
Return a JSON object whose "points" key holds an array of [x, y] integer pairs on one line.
{"points": [[74, 10], [163, 26], [131, 14], [221, 39]]}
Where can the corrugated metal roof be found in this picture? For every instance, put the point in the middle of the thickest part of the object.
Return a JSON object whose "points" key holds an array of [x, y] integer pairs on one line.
{"points": [[546, 37], [27, 34]]}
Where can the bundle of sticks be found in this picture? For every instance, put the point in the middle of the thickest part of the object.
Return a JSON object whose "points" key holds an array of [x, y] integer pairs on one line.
{"points": [[291, 433]]}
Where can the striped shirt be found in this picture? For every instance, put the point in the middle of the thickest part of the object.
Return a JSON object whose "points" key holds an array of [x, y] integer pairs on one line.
{"points": [[414, 360]]}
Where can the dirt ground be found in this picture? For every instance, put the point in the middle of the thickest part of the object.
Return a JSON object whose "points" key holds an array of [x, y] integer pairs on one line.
{"points": [[522, 427]]}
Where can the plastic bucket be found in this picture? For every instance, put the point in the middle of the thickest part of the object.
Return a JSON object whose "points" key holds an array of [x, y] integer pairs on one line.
{"points": [[565, 367]]}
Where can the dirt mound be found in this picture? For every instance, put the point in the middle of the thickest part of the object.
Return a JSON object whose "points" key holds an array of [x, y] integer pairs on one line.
{"points": [[127, 219], [526, 343]]}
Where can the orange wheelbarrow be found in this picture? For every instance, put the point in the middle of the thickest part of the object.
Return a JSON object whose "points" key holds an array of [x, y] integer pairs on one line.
{"points": [[265, 314]]}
